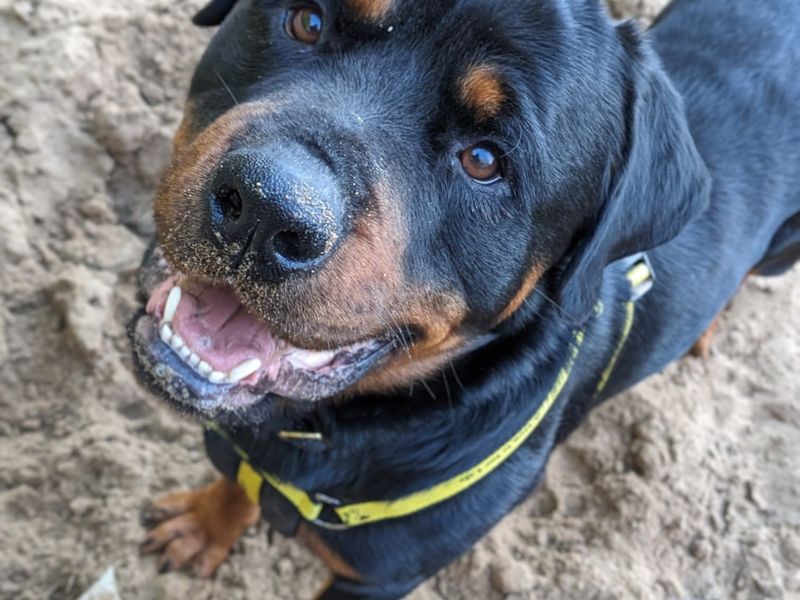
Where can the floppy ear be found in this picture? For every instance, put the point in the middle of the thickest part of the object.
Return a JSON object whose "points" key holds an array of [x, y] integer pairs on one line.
{"points": [[660, 186], [213, 13]]}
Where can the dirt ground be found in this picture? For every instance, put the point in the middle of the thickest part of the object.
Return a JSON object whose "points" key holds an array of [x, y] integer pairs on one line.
{"points": [[686, 487]]}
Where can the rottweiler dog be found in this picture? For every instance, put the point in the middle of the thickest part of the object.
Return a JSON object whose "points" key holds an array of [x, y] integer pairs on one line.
{"points": [[404, 247]]}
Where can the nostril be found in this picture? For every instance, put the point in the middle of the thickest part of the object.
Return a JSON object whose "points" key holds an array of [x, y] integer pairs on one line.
{"points": [[299, 247], [277, 207], [228, 204], [291, 246]]}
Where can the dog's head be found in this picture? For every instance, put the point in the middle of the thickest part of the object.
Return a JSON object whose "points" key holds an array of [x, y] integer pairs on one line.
{"points": [[362, 190]]}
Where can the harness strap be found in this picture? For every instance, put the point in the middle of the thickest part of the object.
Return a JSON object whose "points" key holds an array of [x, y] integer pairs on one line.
{"points": [[639, 273], [630, 310], [369, 512], [310, 508]]}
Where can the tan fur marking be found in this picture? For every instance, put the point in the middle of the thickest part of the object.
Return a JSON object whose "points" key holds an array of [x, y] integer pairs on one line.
{"points": [[197, 529], [326, 554], [439, 319], [482, 92], [183, 137], [528, 284], [361, 292], [703, 346], [370, 10]]}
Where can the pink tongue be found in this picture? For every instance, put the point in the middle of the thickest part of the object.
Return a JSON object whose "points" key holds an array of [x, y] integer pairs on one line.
{"points": [[217, 327]]}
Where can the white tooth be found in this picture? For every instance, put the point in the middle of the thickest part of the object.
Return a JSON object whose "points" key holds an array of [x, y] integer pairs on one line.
{"points": [[204, 368], [173, 301], [244, 370], [310, 360], [216, 377], [185, 353], [177, 342], [296, 358], [166, 333], [194, 360]]}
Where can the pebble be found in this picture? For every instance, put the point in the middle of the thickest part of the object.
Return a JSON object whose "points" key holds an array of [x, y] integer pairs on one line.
{"points": [[511, 578], [80, 505], [285, 568], [790, 548], [700, 548]]}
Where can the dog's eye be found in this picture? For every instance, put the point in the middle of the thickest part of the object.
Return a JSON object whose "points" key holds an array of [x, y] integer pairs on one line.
{"points": [[480, 162], [304, 24]]}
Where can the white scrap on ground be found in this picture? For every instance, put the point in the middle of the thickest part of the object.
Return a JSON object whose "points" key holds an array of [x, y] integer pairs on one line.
{"points": [[104, 588]]}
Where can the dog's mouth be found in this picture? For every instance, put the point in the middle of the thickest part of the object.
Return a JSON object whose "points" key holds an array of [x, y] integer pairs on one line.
{"points": [[201, 347]]}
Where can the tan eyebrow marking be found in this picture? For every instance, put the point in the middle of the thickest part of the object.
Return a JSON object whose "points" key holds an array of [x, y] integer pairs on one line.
{"points": [[370, 10], [482, 92]]}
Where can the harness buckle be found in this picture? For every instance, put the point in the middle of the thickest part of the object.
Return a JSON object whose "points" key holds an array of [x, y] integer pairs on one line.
{"points": [[327, 500], [329, 505], [330, 526], [640, 274]]}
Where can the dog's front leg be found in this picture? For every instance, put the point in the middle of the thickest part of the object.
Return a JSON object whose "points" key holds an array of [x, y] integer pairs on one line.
{"points": [[197, 529]]}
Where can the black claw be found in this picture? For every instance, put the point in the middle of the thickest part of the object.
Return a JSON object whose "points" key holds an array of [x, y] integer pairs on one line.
{"points": [[146, 516], [143, 547], [166, 567], [150, 516]]}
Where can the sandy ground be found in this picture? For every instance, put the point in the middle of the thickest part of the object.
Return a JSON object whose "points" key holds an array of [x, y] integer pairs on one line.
{"points": [[686, 487]]}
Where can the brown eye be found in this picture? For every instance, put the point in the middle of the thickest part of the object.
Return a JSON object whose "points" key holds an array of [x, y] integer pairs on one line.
{"points": [[481, 163], [304, 24]]}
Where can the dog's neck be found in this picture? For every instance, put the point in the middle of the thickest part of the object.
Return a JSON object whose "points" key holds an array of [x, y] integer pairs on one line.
{"points": [[377, 446], [384, 446]]}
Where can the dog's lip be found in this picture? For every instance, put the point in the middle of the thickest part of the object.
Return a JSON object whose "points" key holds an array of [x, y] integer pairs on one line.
{"points": [[215, 334], [172, 377], [210, 375]]}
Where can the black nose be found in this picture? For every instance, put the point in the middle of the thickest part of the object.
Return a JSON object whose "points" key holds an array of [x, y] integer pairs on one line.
{"points": [[280, 205]]}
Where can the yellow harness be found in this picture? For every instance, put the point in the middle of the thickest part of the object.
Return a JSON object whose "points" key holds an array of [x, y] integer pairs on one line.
{"points": [[352, 515]]}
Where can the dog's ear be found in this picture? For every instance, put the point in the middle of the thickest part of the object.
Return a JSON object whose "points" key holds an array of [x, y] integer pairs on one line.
{"points": [[213, 13], [656, 187]]}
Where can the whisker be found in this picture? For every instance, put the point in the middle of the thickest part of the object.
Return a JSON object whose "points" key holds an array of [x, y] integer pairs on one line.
{"points": [[226, 86], [517, 145], [428, 388], [455, 374], [447, 390], [395, 327], [554, 303], [405, 340]]}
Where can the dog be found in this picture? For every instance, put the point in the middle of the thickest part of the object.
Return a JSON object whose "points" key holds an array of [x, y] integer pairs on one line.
{"points": [[403, 248]]}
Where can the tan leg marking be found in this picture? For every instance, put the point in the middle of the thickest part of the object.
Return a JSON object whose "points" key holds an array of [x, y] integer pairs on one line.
{"points": [[196, 530]]}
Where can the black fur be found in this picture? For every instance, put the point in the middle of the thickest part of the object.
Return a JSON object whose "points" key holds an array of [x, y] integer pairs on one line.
{"points": [[213, 13], [659, 162], [684, 142]]}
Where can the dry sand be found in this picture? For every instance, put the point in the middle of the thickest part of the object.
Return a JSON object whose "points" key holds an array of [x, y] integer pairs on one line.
{"points": [[686, 487]]}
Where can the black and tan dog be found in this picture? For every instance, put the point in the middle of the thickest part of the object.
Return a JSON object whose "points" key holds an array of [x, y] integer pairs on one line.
{"points": [[399, 252]]}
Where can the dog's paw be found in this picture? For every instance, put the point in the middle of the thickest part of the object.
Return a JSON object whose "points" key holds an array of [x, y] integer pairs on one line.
{"points": [[704, 346], [196, 530]]}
